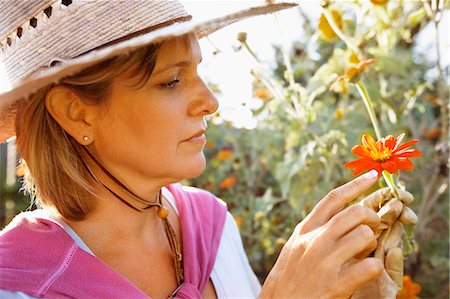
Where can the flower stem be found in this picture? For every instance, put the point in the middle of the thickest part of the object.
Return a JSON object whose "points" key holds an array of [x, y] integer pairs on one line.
{"points": [[368, 103], [338, 31], [373, 118], [390, 181]]}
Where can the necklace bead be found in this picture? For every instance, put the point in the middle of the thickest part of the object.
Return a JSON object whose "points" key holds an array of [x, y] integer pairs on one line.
{"points": [[162, 212]]}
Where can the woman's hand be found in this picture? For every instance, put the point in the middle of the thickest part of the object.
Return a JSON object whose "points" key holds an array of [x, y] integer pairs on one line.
{"points": [[317, 261]]}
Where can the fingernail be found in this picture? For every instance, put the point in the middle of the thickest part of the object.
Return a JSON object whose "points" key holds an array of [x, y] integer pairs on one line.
{"points": [[371, 174]]}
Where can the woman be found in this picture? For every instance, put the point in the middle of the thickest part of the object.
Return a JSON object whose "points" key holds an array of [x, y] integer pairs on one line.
{"points": [[110, 117]]}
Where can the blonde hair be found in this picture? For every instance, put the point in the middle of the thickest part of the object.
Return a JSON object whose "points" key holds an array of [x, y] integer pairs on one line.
{"points": [[56, 176]]}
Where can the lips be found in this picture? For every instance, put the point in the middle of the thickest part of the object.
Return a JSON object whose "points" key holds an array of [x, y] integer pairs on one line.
{"points": [[197, 137]]}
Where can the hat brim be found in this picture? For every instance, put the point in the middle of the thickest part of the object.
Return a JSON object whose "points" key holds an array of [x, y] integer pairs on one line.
{"points": [[53, 74], [42, 78]]}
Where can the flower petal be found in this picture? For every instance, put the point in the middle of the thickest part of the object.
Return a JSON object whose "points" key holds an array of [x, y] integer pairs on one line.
{"points": [[360, 151], [369, 165], [404, 164], [390, 142], [399, 139], [357, 163], [369, 142], [410, 153], [406, 145], [365, 63], [390, 166]]}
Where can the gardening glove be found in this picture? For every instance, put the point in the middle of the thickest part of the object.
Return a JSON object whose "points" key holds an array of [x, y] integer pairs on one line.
{"points": [[393, 213], [390, 207]]}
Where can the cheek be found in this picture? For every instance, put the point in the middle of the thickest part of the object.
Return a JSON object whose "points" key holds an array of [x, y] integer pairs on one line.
{"points": [[157, 126]]}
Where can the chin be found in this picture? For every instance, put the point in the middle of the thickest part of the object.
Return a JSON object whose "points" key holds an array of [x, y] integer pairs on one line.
{"points": [[195, 168], [198, 170]]}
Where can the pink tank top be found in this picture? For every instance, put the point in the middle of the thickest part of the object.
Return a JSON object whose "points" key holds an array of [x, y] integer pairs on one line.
{"points": [[39, 258]]}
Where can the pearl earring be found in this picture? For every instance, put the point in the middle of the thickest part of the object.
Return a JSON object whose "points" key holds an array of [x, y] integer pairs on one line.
{"points": [[85, 138]]}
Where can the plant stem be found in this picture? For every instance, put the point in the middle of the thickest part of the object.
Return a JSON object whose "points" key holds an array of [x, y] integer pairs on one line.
{"points": [[368, 103], [390, 181], [373, 118], [338, 31]]}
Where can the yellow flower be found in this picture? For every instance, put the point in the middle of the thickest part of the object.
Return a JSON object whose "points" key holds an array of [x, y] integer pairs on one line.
{"points": [[353, 58], [326, 32], [409, 290], [379, 2], [263, 94], [259, 216], [339, 113]]}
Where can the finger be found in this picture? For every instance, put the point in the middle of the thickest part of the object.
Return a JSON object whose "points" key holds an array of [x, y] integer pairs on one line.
{"points": [[408, 217], [390, 212], [406, 197], [351, 217], [361, 272], [337, 199], [379, 251], [394, 237], [394, 265], [376, 199], [358, 243]]}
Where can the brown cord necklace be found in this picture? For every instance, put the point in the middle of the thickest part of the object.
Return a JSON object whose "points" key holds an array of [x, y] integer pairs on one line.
{"points": [[162, 212]]}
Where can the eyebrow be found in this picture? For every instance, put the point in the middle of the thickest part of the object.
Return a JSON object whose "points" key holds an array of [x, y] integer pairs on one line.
{"points": [[183, 64]]}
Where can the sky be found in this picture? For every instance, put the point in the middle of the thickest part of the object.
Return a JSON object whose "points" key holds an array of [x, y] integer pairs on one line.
{"points": [[230, 69]]}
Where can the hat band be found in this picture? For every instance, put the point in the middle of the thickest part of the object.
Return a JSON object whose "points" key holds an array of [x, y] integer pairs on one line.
{"points": [[140, 32]]}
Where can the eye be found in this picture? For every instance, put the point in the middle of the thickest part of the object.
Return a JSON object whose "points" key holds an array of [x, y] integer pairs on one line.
{"points": [[170, 84]]}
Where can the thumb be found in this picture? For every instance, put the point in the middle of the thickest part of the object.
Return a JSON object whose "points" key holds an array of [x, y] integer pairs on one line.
{"points": [[394, 265]]}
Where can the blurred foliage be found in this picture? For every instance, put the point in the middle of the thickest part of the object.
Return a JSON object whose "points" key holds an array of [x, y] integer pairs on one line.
{"points": [[305, 131], [273, 175]]}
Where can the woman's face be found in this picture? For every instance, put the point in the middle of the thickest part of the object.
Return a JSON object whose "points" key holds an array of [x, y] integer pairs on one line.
{"points": [[155, 133]]}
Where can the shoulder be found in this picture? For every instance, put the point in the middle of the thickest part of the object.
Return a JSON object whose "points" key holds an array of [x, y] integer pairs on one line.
{"points": [[32, 226], [31, 246]]}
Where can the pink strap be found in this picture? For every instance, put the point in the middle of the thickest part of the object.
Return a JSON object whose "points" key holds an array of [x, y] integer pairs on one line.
{"points": [[202, 218]]}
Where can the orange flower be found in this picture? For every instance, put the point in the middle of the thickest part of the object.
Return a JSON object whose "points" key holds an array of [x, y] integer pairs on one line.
{"points": [[385, 154], [326, 32], [238, 220], [227, 182], [351, 74], [224, 155], [208, 186], [409, 290], [210, 145]]}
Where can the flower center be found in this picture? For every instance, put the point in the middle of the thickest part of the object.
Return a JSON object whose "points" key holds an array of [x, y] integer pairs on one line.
{"points": [[381, 156]]}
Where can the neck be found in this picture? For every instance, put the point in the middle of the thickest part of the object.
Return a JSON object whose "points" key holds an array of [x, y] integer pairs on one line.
{"points": [[112, 220]]}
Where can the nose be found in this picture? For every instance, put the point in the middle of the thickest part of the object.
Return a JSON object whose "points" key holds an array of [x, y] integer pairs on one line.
{"points": [[205, 102]]}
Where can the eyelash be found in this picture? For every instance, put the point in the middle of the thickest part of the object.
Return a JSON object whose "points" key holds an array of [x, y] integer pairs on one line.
{"points": [[171, 84]]}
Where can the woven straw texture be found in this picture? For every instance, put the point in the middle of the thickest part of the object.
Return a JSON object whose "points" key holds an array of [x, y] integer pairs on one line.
{"points": [[82, 26], [59, 36]]}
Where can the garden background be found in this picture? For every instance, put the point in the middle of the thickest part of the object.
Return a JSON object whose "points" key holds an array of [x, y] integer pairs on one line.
{"points": [[279, 141]]}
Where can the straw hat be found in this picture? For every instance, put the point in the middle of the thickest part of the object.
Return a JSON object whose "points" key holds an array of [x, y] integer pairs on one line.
{"points": [[79, 33]]}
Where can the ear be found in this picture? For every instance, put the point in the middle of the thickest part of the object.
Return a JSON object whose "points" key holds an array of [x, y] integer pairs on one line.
{"points": [[71, 113]]}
